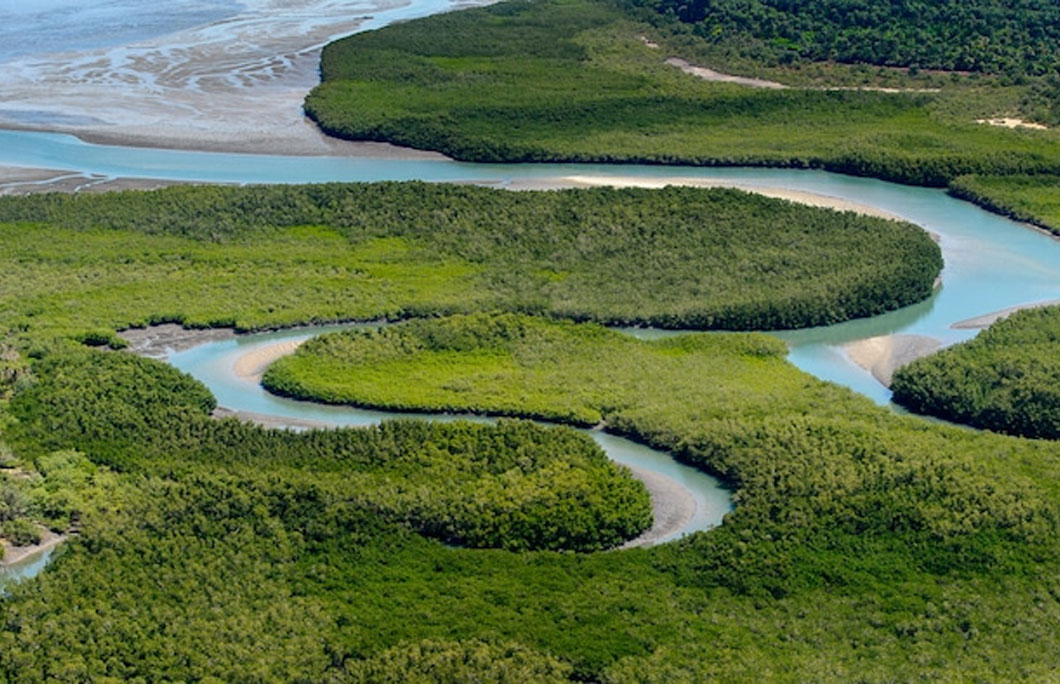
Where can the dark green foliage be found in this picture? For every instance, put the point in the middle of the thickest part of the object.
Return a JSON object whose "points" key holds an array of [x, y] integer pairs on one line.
{"points": [[568, 80], [678, 257], [1016, 37], [1035, 199], [457, 661], [514, 485], [1007, 379]]}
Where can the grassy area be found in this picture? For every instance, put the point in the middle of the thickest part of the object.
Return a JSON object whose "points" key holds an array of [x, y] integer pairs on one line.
{"points": [[265, 257], [856, 532], [572, 80], [1006, 379], [1034, 199]]}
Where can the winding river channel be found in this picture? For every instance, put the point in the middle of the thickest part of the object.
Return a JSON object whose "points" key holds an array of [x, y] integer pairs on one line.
{"points": [[991, 264]]}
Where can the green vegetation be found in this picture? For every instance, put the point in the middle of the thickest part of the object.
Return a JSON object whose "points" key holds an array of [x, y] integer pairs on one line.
{"points": [[515, 486], [275, 256], [1019, 37], [571, 80], [855, 531], [503, 365], [1006, 379], [858, 537], [1034, 199]]}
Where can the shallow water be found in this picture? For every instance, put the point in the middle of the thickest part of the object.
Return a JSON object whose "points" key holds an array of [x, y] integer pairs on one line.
{"points": [[26, 568], [37, 27], [213, 363]]}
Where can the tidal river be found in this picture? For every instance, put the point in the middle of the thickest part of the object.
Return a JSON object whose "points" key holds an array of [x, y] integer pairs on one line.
{"points": [[991, 263]]}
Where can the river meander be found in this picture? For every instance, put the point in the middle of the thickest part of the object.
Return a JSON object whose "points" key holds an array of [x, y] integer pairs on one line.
{"points": [[991, 263]]}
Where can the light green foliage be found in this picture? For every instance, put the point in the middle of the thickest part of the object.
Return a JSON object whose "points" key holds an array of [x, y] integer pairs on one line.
{"points": [[515, 486], [1035, 199], [506, 365], [570, 80], [20, 532], [1006, 379], [680, 257]]}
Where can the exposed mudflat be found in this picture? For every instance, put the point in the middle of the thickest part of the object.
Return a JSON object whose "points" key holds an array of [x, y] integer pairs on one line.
{"points": [[234, 82]]}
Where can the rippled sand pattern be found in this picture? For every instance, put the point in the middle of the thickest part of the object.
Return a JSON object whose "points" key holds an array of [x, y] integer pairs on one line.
{"points": [[235, 84]]}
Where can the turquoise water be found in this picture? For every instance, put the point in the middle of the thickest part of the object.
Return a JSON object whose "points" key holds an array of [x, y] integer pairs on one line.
{"points": [[212, 364]]}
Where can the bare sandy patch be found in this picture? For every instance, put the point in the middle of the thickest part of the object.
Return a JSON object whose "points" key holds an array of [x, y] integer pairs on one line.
{"points": [[716, 76], [252, 365], [986, 320], [1009, 122], [883, 355], [708, 74], [648, 43]]}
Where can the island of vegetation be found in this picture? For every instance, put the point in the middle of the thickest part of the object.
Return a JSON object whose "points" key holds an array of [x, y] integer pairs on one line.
{"points": [[1006, 379], [675, 258]]}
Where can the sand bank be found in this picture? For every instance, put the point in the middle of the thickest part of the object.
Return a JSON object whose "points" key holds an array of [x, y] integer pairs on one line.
{"points": [[157, 341], [801, 197], [236, 84], [252, 365], [986, 320], [672, 506], [882, 356]]}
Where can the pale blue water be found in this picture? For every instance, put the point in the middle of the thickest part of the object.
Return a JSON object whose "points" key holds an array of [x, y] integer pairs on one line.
{"points": [[26, 568], [34, 27]]}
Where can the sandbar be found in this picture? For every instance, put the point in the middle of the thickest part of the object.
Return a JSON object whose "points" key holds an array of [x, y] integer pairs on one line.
{"points": [[883, 355], [252, 365], [986, 320], [798, 196]]}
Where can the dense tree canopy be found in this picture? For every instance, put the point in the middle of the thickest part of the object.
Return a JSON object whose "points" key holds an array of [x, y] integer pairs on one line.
{"points": [[1006, 379], [1018, 36]]}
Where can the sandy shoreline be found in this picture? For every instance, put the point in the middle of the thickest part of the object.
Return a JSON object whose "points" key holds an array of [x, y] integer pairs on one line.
{"points": [[883, 355], [251, 365], [236, 84], [798, 196], [986, 320], [15, 554]]}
